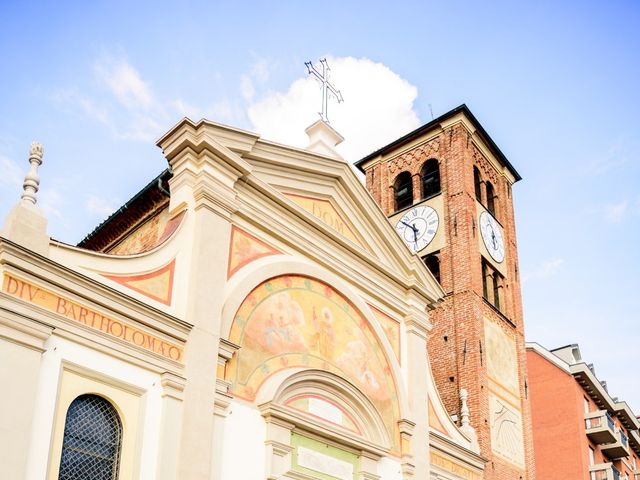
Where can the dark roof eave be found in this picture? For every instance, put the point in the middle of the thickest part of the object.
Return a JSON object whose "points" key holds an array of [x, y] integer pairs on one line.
{"points": [[153, 184], [427, 126]]}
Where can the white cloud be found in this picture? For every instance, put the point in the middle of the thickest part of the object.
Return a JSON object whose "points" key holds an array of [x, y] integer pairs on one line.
{"points": [[377, 108], [547, 269], [51, 201], [124, 82], [223, 111], [616, 212], [125, 102], [259, 74], [100, 206], [247, 90], [616, 156], [12, 174], [71, 97]]}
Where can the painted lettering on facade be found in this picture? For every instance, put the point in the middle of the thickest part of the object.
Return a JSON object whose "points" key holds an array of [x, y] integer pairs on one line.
{"points": [[90, 318], [324, 211], [453, 467]]}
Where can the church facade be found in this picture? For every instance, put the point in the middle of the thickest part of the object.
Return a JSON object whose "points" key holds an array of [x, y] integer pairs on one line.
{"points": [[253, 314]]}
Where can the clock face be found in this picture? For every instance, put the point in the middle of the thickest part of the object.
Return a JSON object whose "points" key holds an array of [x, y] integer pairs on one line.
{"points": [[418, 226], [492, 236]]}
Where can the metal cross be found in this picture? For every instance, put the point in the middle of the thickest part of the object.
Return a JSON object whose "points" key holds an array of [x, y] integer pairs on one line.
{"points": [[327, 88]]}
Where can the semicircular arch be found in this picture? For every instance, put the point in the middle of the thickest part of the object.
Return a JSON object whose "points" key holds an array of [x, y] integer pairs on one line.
{"points": [[284, 276]]}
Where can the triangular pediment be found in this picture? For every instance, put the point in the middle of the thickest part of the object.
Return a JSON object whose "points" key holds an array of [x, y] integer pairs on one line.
{"points": [[318, 196], [330, 191]]}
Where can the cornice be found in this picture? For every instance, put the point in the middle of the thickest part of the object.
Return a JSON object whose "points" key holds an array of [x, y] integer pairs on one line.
{"points": [[443, 444], [29, 265]]}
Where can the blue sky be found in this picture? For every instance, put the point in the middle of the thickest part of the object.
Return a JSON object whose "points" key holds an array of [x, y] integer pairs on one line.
{"points": [[556, 84]]}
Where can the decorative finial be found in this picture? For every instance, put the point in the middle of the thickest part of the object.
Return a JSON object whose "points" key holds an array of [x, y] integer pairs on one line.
{"points": [[465, 425], [464, 410], [327, 88], [32, 180]]}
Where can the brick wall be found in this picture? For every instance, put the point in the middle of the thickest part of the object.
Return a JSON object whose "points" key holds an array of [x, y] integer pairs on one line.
{"points": [[455, 341]]}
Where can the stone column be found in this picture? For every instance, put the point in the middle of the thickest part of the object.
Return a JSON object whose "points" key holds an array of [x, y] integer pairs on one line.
{"points": [[170, 426], [417, 327], [204, 177]]}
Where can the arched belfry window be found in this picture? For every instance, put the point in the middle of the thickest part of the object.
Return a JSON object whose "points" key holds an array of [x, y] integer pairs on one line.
{"points": [[430, 176], [491, 199], [477, 183], [92, 440], [403, 191]]}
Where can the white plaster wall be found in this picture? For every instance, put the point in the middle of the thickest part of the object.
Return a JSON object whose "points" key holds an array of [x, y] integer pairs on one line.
{"points": [[243, 448], [59, 350], [389, 469]]}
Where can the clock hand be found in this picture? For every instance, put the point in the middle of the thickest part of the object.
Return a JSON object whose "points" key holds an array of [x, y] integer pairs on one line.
{"points": [[412, 227]]}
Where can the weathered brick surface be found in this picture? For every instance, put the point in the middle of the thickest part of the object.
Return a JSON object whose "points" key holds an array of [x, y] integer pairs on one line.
{"points": [[458, 335]]}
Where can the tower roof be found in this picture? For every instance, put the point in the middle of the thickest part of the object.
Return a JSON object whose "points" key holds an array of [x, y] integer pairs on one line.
{"points": [[427, 126]]}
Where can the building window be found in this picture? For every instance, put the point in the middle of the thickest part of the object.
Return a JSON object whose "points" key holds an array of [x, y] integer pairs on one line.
{"points": [[403, 191], [477, 183], [92, 440], [491, 199], [430, 176], [492, 283], [432, 261]]}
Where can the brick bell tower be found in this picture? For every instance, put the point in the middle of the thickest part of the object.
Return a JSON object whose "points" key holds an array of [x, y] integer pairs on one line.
{"points": [[446, 188]]}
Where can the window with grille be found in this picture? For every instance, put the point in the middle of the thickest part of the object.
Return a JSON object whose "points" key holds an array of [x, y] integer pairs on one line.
{"points": [[92, 440], [430, 176], [403, 191]]}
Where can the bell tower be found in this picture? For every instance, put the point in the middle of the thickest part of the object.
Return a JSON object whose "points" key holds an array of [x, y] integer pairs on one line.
{"points": [[446, 189]]}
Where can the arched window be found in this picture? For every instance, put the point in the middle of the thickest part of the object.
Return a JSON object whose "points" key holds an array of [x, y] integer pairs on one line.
{"points": [[491, 196], [477, 183], [403, 191], [92, 440], [430, 176]]}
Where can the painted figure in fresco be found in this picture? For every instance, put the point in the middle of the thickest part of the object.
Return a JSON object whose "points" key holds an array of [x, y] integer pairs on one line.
{"points": [[278, 324], [324, 337], [355, 361]]}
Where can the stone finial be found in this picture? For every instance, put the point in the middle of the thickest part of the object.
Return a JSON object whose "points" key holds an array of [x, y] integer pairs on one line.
{"points": [[465, 424], [32, 180], [25, 224], [464, 410]]}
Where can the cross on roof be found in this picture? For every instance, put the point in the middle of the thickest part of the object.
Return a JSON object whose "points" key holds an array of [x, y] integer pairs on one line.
{"points": [[327, 88]]}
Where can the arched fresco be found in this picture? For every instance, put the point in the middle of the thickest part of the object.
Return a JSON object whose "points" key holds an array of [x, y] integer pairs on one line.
{"points": [[293, 321]]}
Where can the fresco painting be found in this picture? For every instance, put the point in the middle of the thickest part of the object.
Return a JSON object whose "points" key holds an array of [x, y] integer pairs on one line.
{"points": [[150, 234], [295, 321], [505, 417], [434, 420], [157, 284], [391, 329], [244, 249], [502, 358]]}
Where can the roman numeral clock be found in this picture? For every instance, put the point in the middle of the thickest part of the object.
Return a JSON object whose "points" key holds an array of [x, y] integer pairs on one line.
{"points": [[418, 227]]}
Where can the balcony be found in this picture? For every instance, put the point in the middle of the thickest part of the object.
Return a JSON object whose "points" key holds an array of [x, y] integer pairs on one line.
{"points": [[600, 427], [604, 471], [617, 449]]}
